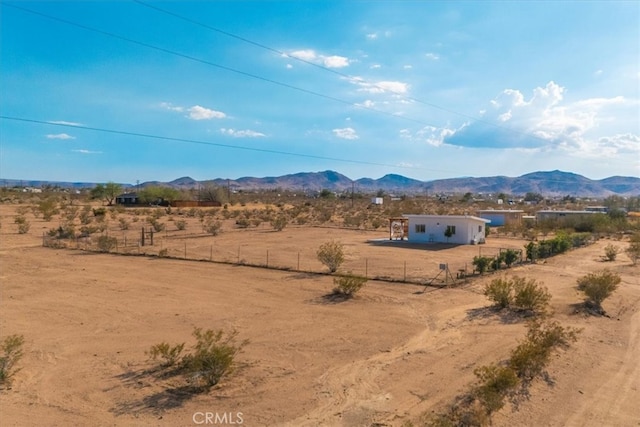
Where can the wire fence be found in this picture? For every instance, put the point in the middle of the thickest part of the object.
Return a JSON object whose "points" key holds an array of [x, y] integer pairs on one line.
{"points": [[197, 247]]}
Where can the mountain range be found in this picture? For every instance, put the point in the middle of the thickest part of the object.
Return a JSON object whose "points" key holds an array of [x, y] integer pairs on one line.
{"points": [[549, 183]]}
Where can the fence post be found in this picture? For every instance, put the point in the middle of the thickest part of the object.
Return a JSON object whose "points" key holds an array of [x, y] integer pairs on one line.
{"points": [[151, 234], [185, 250], [238, 255], [211, 253], [142, 240], [267, 258], [405, 271], [42, 238], [298, 260], [366, 268]]}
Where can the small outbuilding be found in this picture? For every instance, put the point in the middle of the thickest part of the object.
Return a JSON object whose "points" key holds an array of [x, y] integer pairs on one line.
{"points": [[127, 199], [458, 229], [501, 217]]}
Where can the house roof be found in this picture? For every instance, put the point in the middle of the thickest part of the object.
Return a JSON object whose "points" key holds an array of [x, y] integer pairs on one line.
{"points": [[499, 211], [127, 195], [443, 217]]}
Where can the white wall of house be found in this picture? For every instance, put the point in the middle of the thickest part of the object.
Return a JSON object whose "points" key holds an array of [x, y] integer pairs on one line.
{"points": [[431, 228]]}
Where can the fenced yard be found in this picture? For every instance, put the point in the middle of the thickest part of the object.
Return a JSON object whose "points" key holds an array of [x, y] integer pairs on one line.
{"points": [[369, 253]]}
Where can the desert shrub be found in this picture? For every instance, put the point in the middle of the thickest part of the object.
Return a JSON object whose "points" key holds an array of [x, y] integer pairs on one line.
{"points": [[611, 252], [496, 262], [85, 215], [157, 225], [181, 224], [168, 353], [531, 356], [598, 286], [213, 227], [65, 231], [510, 256], [48, 208], [481, 263], [633, 251], [496, 382], [123, 223], [99, 212], [23, 224], [279, 223], [531, 251], [529, 295], [500, 291], [212, 356], [11, 354], [163, 253], [518, 293], [331, 254], [348, 284], [70, 212], [87, 230], [243, 223], [106, 243]]}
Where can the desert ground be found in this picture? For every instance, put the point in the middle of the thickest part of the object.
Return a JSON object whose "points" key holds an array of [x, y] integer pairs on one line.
{"points": [[390, 354]]}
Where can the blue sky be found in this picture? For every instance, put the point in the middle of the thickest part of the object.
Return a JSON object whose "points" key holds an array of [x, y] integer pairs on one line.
{"points": [[121, 91]]}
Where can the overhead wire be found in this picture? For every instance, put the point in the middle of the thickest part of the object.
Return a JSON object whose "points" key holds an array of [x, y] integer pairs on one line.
{"points": [[200, 142]]}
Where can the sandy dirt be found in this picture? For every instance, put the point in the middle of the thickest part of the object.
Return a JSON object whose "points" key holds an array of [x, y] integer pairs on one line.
{"points": [[388, 355]]}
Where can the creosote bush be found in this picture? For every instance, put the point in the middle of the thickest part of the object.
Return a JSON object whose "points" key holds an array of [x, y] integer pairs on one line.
{"points": [[498, 382], [481, 263], [11, 353], [598, 286], [348, 284], [211, 358], [518, 294], [213, 227], [633, 251], [611, 252], [331, 254], [106, 243]]}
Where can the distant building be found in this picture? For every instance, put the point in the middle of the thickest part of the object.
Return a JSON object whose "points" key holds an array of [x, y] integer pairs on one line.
{"points": [[127, 199], [458, 229], [376, 200], [560, 215], [500, 217], [601, 209]]}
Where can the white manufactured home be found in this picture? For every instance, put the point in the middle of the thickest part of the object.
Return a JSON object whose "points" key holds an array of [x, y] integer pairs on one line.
{"points": [[458, 229]]}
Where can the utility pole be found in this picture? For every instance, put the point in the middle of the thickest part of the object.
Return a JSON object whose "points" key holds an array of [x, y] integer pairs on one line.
{"points": [[353, 184]]}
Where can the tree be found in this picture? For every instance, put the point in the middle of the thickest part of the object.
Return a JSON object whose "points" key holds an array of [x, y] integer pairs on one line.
{"points": [[481, 263], [107, 192], [533, 197], [331, 254], [158, 195], [598, 286], [213, 193]]}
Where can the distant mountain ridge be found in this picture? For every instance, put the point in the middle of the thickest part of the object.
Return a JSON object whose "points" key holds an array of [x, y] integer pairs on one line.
{"points": [[549, 183]]}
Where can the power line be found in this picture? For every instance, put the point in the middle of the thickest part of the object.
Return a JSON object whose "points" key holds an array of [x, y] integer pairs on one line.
{"points": [[213, 64], [267, 80], [330, 70], [208, 143]]}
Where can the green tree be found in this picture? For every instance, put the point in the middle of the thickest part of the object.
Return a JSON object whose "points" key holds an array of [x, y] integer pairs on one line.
{"points": [[157, 194], [107, 192], [213, 193]]}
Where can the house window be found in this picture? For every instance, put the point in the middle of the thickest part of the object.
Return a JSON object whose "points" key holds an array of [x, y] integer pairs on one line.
{"points": [[479, 229], [451, 230], [421, 228]]}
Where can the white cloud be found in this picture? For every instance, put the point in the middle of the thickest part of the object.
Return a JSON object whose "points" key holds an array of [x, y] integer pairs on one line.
{"points": [[346, 133], [407, 67], [335, 61], [201, 113], [329, 61], [432, 56], [60, 136], [171, 107], [372, 36], [83, 151], [289, 66], [395, 87], [375, 66], [63, 122], [367, 104], [242, 133], [590, 128]]}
